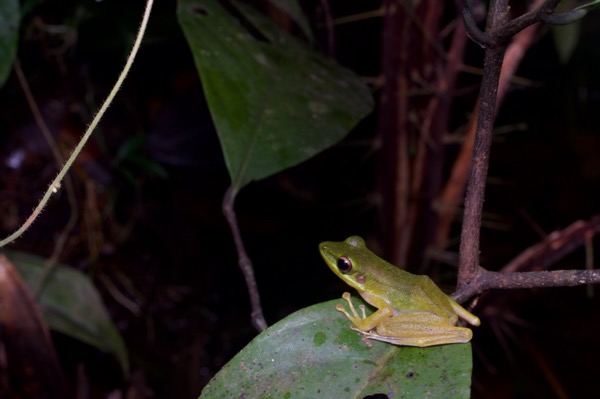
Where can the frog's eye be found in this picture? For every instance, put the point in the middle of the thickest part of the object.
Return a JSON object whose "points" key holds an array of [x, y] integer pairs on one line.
{"points": [[344, 265]]}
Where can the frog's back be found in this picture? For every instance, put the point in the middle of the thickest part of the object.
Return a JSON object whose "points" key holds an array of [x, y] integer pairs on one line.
{"points": [[412, 292]]}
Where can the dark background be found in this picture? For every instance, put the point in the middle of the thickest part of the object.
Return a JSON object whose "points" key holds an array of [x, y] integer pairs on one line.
{"points": [[155, 176]]}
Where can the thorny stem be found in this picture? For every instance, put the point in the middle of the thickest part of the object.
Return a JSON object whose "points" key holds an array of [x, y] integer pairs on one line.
{"points": [[56, 183]]}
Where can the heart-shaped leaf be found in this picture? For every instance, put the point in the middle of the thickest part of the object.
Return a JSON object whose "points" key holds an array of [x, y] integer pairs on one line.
{"points": [[274, 101]]}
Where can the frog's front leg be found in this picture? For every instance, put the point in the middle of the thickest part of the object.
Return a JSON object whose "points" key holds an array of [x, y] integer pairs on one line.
{"points": [[419, 329], [362, 322]]}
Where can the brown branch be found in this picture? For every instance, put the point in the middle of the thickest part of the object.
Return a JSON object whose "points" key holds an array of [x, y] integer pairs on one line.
{"points": [[473, 279], [475, 34], [492, 65], [556, 278], [500, 29], [452, 194], [505, 32], [486, 280], [556, 246], [540, 14]]}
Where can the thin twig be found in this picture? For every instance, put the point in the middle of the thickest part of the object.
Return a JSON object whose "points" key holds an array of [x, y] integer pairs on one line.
{"points": [[257, 317], [56, 183]]}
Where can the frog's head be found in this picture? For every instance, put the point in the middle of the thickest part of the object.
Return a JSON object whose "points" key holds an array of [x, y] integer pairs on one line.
{"points": [[348, 260]]}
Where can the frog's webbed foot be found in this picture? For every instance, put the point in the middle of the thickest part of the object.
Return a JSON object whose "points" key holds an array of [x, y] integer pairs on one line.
{"points": [[353, 315]]}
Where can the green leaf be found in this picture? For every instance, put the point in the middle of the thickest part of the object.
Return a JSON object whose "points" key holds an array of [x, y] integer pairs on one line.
{"points": [[9, 31], [314, 353], [71, 305], [275, 102]]}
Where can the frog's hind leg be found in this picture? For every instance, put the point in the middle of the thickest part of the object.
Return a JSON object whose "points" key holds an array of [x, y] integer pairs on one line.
{"points": [[419, 329]]}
